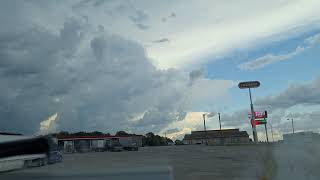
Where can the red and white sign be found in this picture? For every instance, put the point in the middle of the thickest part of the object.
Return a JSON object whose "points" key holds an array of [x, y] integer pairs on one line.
{"points": [[257, 115]]}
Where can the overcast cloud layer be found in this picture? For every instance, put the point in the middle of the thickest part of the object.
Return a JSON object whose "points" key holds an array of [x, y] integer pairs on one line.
{"points": [[92, 79]]}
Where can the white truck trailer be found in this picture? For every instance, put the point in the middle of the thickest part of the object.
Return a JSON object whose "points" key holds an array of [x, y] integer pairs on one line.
{"points": [[18, 152]]}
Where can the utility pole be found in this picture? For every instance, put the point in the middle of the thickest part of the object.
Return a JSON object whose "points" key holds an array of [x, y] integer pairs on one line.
{"points": [[272, 133], [265, 127], [219, 121], [292, 125], [204, 128], [165, 137]]}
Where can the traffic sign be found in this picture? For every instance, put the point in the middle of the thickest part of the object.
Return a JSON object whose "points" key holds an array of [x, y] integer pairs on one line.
{"points": [[249, 84]]}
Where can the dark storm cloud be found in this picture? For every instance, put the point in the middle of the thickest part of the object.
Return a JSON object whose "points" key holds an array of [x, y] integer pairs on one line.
{"points": [[295, 94], [196, 74], [96, 89], [93, 80], [32, 74]]}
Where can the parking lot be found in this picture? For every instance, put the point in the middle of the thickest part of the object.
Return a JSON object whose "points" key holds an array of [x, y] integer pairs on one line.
{"points": [[184, 163]]}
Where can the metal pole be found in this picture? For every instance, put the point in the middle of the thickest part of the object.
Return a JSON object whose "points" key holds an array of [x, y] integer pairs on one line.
{"points": [[272, 133], [292, 126], [219, 121], [254, 129], [205, 129], [165, 137], [265, 127]]}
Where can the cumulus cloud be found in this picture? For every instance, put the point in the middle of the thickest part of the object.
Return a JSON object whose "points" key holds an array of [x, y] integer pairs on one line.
{"points": [[195, 29], [49, 125], [299, 101], [93, 79], [295, 94]]}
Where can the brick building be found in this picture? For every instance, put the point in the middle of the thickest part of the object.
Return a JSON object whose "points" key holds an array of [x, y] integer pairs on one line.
{"points": [[217, 137]]}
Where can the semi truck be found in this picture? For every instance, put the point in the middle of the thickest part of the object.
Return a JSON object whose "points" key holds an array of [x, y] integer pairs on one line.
{"points": [[22, 152]]}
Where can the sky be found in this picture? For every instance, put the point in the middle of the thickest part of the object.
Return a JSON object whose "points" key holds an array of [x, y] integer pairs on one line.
{"points": [[141, 66]]}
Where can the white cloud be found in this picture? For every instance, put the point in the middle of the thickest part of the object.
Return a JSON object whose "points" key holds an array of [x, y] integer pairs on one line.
{"points": [[217, 27], [197, 29], [49, 125], [95, 70], [192, 121], [313, 40], [269, 59]]}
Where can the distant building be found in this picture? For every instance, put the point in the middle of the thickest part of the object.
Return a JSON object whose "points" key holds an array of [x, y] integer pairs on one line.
{"points": [[301, 138], [70, 144], [217, 137]]}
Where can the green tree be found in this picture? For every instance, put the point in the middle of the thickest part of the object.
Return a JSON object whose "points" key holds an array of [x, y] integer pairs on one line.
{"points": [[122, 133], [151, 139]]}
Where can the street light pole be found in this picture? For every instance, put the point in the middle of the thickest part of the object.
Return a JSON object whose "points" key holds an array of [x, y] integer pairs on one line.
{"points": [[204, 128], [265, 127], [219, 121], [272, 133], [292, 125]]}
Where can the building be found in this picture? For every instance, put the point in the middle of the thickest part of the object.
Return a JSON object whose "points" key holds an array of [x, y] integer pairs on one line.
{"points": [[71, 144], [217, 137], [301, 138]]}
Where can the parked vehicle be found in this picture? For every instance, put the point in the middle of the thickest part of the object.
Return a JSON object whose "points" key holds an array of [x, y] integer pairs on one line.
{"points": [[114, 145], [128, 144], [22, 152]]}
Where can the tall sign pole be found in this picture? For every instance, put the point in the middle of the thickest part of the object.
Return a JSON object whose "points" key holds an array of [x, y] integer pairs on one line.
{"points": [[265, 127], [249, 85], [254, 128]]}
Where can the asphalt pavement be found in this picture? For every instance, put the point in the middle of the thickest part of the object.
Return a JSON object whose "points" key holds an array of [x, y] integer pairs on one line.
{"points": [[180, 163]]}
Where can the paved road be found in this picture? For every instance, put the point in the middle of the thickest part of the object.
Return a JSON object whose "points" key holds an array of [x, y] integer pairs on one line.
{"points": [[174, 162]]}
